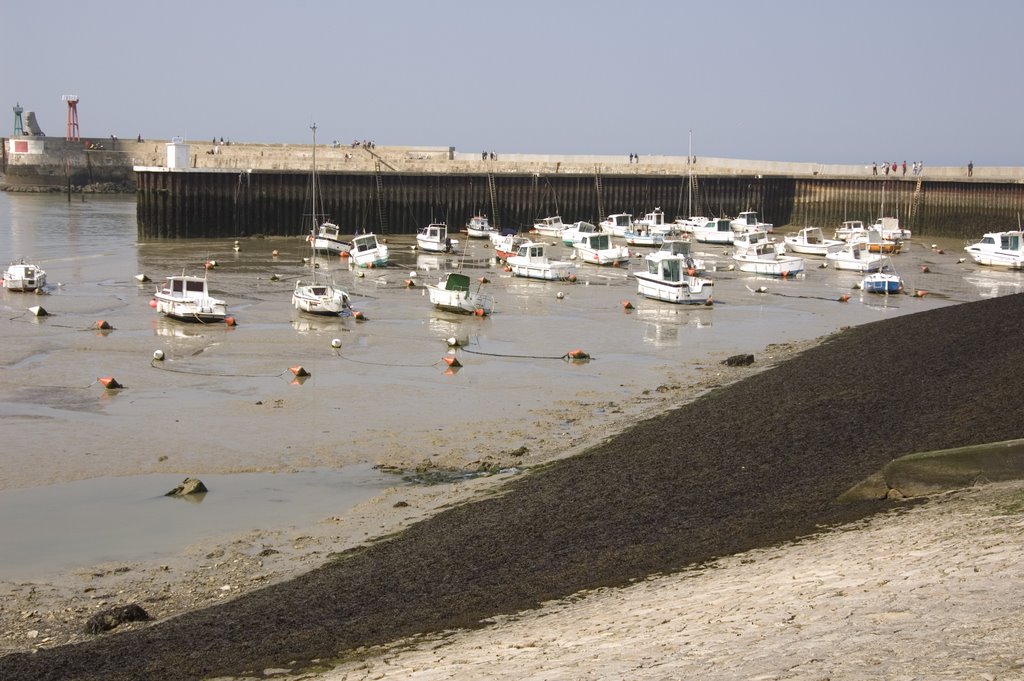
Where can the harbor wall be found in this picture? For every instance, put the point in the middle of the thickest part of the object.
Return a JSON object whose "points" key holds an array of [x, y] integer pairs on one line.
{"points": [[218, 204]]}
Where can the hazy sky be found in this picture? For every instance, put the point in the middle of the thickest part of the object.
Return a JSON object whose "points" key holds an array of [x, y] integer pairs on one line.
{"points": [[831, 81]]}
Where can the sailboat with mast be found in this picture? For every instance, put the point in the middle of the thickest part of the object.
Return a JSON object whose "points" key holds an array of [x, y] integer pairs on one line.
{"points": [[316, 296]]}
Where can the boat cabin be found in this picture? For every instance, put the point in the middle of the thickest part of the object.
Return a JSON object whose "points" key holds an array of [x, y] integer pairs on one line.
{"points": [[456, 282], [531, 251], [436, 231], [618, 221], [597, 242], [364, 242], [667, 267], [186, 286], [676, 247]]}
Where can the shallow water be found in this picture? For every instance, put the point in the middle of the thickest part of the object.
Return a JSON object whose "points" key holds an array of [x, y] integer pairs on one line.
{"points": [[224, 401]]}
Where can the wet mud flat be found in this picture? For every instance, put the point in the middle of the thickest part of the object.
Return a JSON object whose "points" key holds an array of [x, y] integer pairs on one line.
{"points": [[746, 465]]}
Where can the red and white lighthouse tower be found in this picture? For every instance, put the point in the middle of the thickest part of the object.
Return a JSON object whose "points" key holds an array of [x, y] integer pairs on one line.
{"points": [[72, 133]]}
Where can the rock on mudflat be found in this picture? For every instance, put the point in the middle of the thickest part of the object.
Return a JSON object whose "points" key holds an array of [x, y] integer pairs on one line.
{"points": [[739, 361], [188, 486], [106, 620]]}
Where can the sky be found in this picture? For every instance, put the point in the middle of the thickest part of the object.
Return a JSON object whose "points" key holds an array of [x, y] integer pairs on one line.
{"points": [[827, 81]]}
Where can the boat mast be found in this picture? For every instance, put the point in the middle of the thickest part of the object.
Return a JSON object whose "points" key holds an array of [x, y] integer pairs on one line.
{"points": [[689, 187]]}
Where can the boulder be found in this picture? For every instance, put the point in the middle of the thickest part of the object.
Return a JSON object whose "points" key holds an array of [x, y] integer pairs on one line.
{"points": [[106, 620], [739, 361], [188, 486]]}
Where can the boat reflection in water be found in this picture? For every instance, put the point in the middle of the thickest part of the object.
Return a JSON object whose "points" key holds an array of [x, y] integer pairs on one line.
{"points": [[662, 324]]}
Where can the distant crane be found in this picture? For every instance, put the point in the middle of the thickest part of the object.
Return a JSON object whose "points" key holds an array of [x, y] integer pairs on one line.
{"points": [[72, 133]]}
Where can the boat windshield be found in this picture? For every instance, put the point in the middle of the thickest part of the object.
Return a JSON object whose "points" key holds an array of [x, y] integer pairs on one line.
{"points": [[1011, 242], [670, 270]]}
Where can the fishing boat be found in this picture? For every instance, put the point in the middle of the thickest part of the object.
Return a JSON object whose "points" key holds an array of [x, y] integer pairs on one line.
{"points": [[187, 298], [811, 241], [684, 248], [885, 280], [434, 239], [714, 231], [577, 230], [850, 229], [669, 277], [317, 296], [479, 227], [599, 250], [22, 276], [452, 293], [855, 256], [368, 251], [531, 261], [891, 230], [654, 222], [550, 226], [326, 238], [999, 249], [747, 221], [616, 224], [642, 236], [757, 254], [508, 245]]}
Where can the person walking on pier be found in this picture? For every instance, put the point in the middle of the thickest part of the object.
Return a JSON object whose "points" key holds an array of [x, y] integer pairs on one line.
{"points": [[970, 169], [904, 169], [874, 167]]}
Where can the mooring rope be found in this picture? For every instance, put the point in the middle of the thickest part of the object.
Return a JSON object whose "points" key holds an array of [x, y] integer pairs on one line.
{"points": [[157, 364]]}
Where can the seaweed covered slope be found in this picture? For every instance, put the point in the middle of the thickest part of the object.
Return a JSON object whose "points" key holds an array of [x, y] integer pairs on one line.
{"points": [[747, 465]]}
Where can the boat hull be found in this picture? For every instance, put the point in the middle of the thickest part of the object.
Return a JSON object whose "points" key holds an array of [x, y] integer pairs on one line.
{"points": [[772, 268], [546, 272], [689, 291], [320, 300], [206, 311], [460, 302]]}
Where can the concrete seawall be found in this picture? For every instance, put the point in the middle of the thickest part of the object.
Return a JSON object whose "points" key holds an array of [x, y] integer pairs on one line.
{"points": [[232, 189]]}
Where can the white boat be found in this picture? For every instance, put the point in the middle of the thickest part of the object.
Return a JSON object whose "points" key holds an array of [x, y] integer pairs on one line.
{"points": [[999, 249], [616, 224], [508, 245], [434, 239], [684, 248], [22, 276], [891, 230], [669, 277], [687, 225], [453, 294], [850, 229], [326, 238], [531, 261], [714, 231], [876, 244], [368, 251], [811, 241], [855, 256], [599, 250], [641, 236], [571, 234], [316, 296], [747, 221], [755, 253], [479, 227], [187, 298], [885, 280], [654, 222], [551, 226]]}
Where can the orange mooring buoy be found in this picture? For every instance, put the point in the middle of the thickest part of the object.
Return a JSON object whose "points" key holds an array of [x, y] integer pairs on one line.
{"points": [[230, 321], [920, 294], [452, 361], [298, 371], [110, 383], [356, 314], [577, 354], [843, 298], [102, 325], [152, 302], [626, 305]]}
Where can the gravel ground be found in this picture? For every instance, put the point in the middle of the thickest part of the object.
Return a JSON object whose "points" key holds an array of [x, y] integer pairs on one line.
{"points": [[748, 465]]}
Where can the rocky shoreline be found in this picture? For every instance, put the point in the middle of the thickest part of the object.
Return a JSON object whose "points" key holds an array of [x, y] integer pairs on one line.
{"points": [[746, 466]]}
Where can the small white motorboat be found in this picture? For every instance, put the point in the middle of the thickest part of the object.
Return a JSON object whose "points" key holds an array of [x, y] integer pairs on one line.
{"points": [[616, 224], [368, 251], [755, 253], [508, 245], [326, 238], [453, 294], [999, 249], [551, 226], [434, 239], [531, 261], [669, 277], [811, 241], [22, 276], [684, 248], [187, 298], [747, 221], [599, 250], [855, 256], [571, 234], [479, 227], [714, 231]]}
